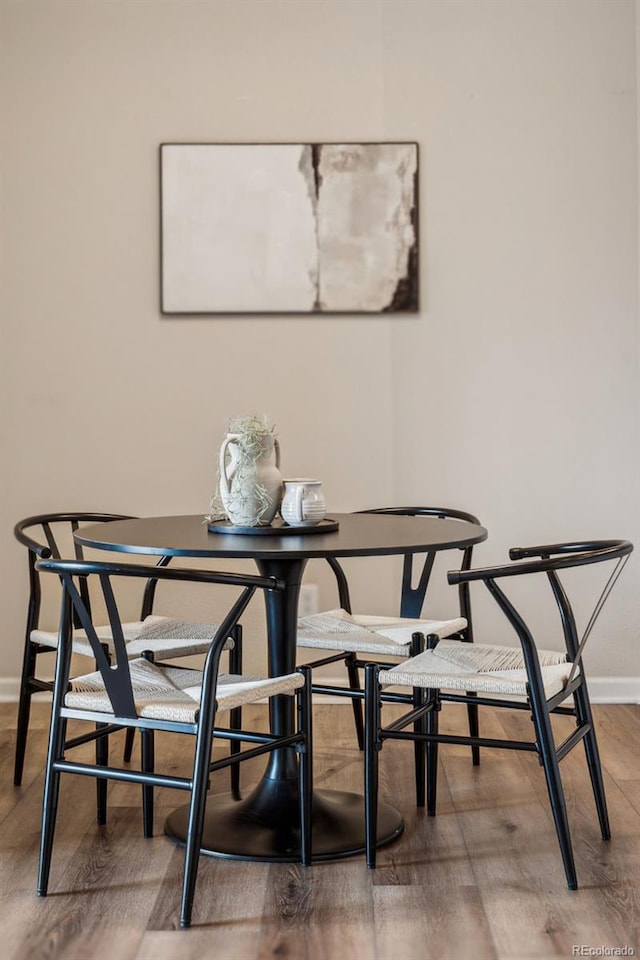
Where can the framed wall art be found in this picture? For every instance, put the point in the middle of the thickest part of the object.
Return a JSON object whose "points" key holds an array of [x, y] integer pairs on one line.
{"points": [[289, 228]]}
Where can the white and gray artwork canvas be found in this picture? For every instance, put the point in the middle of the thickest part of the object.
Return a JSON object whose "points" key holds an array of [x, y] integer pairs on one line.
{"points": [[289, 228]]}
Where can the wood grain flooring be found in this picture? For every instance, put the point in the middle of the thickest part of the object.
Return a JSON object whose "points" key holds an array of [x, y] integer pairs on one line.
{"points": [[481, 880]]}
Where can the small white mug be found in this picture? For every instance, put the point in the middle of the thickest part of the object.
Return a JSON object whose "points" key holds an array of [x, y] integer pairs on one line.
{"points": [[303, 503]]}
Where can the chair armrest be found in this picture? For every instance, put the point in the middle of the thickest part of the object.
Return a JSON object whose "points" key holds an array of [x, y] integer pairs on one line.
{"points": [[567, 555], [40, 549], [84, 567], [549, 549]]}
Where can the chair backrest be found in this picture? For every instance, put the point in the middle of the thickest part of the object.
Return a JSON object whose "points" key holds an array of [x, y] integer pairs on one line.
{"points": [[551, 559], [50, 535], [115, 671], [412, 598]]}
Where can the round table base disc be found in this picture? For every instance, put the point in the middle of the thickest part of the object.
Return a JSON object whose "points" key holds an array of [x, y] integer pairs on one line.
{"points": [[231, 829]]}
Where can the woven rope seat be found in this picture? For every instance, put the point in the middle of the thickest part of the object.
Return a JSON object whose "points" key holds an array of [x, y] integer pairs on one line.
{"points": [[173, 694], [162, 636], [356, 633], [483, 668]]}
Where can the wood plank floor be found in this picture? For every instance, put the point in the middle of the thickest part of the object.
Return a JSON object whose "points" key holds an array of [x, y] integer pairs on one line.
{"points": [[481, 880]]}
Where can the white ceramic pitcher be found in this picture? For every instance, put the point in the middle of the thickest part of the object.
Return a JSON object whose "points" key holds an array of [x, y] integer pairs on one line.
{"points": [[250, 486], [303, 503]]}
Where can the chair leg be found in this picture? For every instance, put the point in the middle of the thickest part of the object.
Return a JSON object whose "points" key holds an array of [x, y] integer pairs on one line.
{"points": [[584, 715], [235, 723], [432, 752], [147, 766], [24, 710], [430, 726], [551, 767], [474, 728], [197, 806], [102, 760], [235, 716], [354, 684], [371, 749], [50, 802], [128, 744], [472, 708], [420, 747], [305, 768]]}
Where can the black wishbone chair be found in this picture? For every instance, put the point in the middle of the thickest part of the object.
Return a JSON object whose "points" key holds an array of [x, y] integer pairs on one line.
{"points": [[148, 696], [51, 535], [357, 637], [544, 678]]}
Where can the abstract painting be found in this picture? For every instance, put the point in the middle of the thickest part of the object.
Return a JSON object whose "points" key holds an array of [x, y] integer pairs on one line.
{"points": [[289, 228]]}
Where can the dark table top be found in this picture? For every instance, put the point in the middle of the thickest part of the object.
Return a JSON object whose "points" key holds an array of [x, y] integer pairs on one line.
{"points": [[359, 535]]}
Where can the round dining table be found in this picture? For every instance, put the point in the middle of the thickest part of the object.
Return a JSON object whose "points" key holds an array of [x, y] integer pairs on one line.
{"points": [[265, 824]]}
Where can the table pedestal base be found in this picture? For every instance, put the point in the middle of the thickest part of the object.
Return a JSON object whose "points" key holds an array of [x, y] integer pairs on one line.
{"points": [[239, 830]]}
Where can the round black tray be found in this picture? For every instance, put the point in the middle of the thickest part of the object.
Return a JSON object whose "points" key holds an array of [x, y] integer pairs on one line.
{"points": [[277, 528]]}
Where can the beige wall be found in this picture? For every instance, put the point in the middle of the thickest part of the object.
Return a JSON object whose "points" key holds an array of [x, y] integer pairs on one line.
{"points": [[513, 393]]}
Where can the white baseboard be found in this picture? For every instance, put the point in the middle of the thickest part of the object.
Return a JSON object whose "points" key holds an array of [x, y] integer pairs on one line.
{"points": [[614, 689], [601, 690], [10, 689]]}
